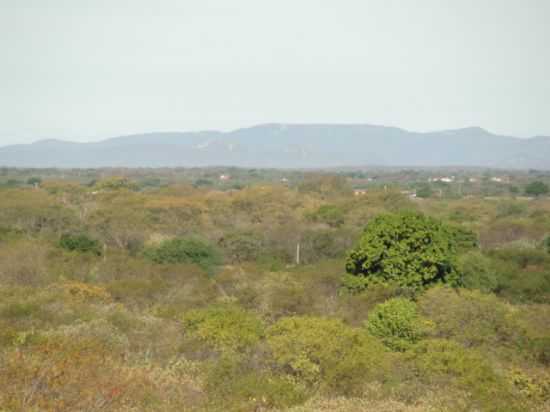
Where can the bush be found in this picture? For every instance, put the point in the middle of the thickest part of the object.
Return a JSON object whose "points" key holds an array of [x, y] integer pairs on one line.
{"points": [[80, 243], [477, 272], [325, 352], [546, 244], [397, 323], [185, 251], [330, 215], [470, 317], [223, 327], [447, 363], [409, 249], [241, 247], [236, 384]]}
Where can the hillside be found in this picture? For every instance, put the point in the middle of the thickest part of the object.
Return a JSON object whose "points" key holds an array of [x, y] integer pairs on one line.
{"points": [[291, 146]]}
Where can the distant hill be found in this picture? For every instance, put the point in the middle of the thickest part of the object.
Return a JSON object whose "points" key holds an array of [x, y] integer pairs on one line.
{"points": [[290, 146]]}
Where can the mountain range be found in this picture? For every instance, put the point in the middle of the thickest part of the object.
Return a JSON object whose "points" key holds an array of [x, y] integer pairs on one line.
{"points": [[290, 146]]}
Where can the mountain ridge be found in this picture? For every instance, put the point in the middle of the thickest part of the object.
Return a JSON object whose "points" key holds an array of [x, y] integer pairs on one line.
{"points": [[290, 145]]}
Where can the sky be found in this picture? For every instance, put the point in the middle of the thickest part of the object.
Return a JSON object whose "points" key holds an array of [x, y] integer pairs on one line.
{"points": [[85, 70]]}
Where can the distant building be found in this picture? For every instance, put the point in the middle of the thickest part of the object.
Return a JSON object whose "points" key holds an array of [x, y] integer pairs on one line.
{"points": [[225, 177], [497, 179], [359, 192], [409, 194], [284, 180], [444, 179]]}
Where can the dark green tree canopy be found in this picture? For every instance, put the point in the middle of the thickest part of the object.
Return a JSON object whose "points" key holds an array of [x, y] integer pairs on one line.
{"points": [[536, 188], [408, 249], [80, 243], [185, 250]]}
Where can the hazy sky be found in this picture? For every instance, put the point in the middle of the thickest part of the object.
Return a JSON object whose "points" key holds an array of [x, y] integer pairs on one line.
{"points": [[89, 69]]}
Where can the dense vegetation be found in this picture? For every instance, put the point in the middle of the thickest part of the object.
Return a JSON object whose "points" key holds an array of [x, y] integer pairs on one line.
{"points": [[165, 294]]}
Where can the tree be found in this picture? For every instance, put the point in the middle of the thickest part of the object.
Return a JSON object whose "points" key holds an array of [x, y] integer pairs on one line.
{"points": [[424, 191], [408, 249], [536, 188], [34, 181]]}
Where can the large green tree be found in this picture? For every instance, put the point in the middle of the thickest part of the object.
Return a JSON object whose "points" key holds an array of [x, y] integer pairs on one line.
{"points": [[408, 249], [537, 188]]}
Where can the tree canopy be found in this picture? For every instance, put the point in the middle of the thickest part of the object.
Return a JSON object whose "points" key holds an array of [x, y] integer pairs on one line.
{"points": [[536, 188], [407, 249]]}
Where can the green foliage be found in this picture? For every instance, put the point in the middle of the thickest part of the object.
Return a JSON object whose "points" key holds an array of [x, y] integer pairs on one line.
{"points": [[470, 317], [115, 183], [445, 362], [124, 333], [477, 272], [397, 323], [425, 191], [80, 243], [237, 384], [511, 208], [464, 239], [182, 250], [330, 215], [412, 250], [34, 181], [223, 327], [546, 244], [241, 247], [536, 188], [326, 352]]}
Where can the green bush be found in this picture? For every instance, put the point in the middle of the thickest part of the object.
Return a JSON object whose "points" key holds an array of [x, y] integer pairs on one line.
{"points": [[237, 384], [330, 215], [424, 191], [546, 244], [470, 317], [326, 352], [185, 251], [397, 323], [446, 363], [80, 243], [477, 272], [409, 249], [223, 327]]}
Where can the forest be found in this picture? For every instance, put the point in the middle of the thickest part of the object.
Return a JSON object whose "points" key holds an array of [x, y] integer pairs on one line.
{"points": [[260, 290]]}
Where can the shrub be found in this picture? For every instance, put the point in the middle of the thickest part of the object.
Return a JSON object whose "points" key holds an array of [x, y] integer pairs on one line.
{"points": [[477, 272], [236, 384], [444, 362], [424, 191], [326, 352], [464, 239], [546, 244], [397, 323], [330, 215], [223, 327], [85, 292], [470, 317], [80, 243], [241, 247], [410, 249], [185, 251]]}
